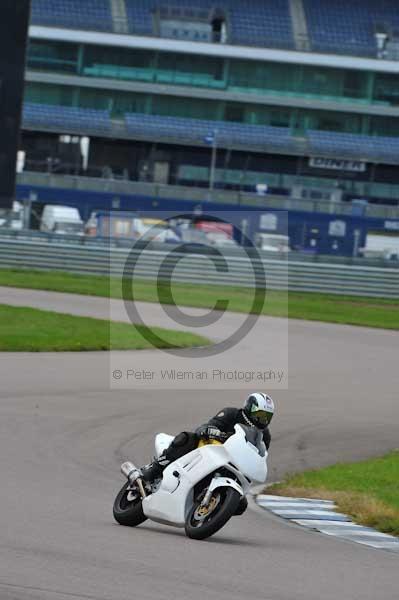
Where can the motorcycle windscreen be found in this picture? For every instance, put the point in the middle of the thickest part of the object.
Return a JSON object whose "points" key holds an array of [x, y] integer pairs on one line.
{"points": [[246, 457]]}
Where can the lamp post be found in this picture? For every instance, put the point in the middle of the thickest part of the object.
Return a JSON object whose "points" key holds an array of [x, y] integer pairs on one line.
{"points": [[212, 139]]}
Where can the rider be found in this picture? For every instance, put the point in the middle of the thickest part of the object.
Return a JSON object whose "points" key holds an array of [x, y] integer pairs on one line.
{"points": [[257, 412]]}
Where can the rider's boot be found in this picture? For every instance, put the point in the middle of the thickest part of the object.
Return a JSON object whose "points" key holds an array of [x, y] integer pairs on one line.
{"points": [[155, 469]]}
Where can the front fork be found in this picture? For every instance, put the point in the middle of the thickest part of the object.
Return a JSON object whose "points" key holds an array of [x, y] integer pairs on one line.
{"points": [[218, 482], [207, 498]]}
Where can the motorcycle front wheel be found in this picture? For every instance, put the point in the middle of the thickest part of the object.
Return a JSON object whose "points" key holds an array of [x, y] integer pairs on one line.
{"points": [[128, 509], [202, 522]]}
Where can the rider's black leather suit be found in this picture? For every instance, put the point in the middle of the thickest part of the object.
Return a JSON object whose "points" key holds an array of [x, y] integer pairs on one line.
{"points": [[187, 441], [228, 417]]}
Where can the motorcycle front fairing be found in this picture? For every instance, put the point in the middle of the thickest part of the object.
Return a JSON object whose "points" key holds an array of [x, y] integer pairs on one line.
{"points": [[249, 459]]}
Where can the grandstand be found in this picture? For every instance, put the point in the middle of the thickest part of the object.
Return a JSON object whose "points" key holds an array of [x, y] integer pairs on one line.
{"points": [[337, 26], [301, 95]]}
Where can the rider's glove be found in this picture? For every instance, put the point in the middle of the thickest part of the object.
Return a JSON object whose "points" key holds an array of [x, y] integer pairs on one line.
{"points": [[213, 433]]}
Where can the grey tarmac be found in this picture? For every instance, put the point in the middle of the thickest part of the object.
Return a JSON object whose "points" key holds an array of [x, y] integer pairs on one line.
{"points": [[64, 433]]}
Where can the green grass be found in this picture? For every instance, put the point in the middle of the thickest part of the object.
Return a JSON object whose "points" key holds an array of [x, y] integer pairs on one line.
{"points": [[367, 490], [32, 330], [369, 312]]}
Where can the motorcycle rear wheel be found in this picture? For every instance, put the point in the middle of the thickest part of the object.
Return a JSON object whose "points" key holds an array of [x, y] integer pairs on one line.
{"points": [[200, 527], [128, 512]]}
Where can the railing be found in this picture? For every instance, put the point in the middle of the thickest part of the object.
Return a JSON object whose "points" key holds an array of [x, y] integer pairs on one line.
{"points": [[198, 268], [67, 239]]}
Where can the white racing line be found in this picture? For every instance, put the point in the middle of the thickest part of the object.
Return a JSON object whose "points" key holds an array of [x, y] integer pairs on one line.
{"points": [[319, 515]]}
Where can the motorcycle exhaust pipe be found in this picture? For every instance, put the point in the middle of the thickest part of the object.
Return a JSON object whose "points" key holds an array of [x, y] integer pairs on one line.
{"points": [[129, 471], [133, 475]]}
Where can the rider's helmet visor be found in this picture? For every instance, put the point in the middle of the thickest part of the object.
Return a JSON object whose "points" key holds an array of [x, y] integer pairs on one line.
{"points": [[261, 417]]}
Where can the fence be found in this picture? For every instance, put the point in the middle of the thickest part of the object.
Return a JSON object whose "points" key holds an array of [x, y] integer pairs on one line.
{"points": [[237, 270]]}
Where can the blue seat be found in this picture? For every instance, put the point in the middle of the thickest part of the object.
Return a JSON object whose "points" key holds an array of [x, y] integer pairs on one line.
{"points": [[343, 27], [79, 14], [86, 120], [354, 146], [228, 134]]}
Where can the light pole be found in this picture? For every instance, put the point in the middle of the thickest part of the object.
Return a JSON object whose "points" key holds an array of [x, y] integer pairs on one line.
{"points": [[212, 139], [356, 240]]}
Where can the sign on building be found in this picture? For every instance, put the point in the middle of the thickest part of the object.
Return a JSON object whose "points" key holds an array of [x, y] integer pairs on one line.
{"points": [[268, 221], [337, 228], [337, 164]]}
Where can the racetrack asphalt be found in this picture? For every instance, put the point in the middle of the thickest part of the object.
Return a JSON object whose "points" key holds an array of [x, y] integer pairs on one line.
{"points": [[64, 433]]}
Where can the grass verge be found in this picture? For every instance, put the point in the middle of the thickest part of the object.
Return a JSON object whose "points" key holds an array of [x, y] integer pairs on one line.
{"points": [[32, 330], [368, 491], [369, 312]]}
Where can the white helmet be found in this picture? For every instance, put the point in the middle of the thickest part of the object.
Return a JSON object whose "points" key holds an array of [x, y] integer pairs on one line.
{"points": [[259, 408]]}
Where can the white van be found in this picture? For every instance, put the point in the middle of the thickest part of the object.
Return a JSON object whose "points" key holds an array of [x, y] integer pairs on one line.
{"points": [[62, 220], [14, 218], [381, 245], [272, 242]]}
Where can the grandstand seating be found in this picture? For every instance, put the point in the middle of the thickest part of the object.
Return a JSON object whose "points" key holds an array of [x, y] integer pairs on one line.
{"points": [[251, 22], [139, 14], [261, 23], [336, 26], [354, 146], [343, 27], [87, 14], [85, 120], [229, 134], [196, 131]]}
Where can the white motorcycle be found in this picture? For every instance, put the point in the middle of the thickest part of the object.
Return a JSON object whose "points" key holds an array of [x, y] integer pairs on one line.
{"points": [[200, 491]]}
